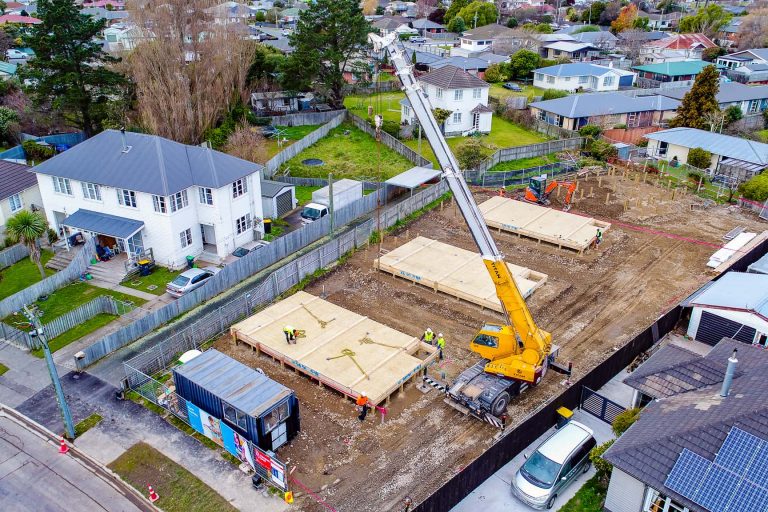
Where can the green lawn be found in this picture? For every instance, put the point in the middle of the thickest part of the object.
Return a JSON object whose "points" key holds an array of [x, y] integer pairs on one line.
{"points": [[763, 135], [525, 163], [589, 498], [304, 194], [386, 103], [500, 93], [679, 175], [179, 490], [22, 274], [87, 424], [74, 334], [292, 133], [3, 368], [356, 155], [159, 277]]}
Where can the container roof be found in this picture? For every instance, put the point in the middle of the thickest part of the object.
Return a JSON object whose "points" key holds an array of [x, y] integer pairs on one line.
{"points": [[240, 386]]}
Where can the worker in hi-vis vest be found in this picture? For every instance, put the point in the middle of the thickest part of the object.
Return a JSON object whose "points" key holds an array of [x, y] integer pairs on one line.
{"points": [[440, 344], [290, 334], [428, 336]]}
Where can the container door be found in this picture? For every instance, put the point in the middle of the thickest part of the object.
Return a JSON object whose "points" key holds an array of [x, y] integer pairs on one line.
{"points": [[279, 436]]}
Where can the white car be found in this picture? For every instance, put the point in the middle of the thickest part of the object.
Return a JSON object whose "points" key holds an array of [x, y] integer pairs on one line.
{"points": [[13, 53], [189, 280], [286, 32]]}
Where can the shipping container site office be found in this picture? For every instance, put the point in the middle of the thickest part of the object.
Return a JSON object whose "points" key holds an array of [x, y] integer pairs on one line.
{"points": [[255, 406]]}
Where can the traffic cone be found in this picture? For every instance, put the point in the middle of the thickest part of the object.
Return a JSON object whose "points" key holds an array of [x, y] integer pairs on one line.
{"points": [[63, 448], [153, 497]]}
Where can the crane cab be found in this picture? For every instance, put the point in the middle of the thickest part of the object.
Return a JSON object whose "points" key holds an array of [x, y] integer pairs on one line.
{"points": [[494, 341], [506, 355]]}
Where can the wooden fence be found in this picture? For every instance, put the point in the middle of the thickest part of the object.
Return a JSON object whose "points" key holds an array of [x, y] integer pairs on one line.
{"points": [[305, 118], [630, 135], [322, 182], [274, 163], [13, 254], [529, 151]]}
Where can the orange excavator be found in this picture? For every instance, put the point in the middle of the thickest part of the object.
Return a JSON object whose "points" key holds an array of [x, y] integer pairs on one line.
{"points": [[538, 191]]}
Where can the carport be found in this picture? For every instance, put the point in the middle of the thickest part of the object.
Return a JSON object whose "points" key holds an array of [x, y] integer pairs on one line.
{"points": [[411, 179]]}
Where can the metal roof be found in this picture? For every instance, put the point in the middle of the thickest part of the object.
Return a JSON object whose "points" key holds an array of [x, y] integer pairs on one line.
{"points": [[244, 388], [586, 105], [413, 177], [729, 92], [492, 31], [575, 69], [464, 63], [681, 68], [683, 42], [568, 46], [15, 178], [737, 290], [724, 145], [760, 266], [103, 223], [271, 188], [152, 164], [424, 23], [451, 77], [602, 37]]}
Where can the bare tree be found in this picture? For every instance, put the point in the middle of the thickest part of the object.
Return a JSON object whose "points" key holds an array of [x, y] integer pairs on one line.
{"points": [[247, 143], [631, 43], [189, 69], [425, 7], [369, 7], [753, 32], [715, 120]]}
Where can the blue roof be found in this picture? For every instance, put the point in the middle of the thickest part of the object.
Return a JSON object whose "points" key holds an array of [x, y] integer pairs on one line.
{"points": [[103, 223], [7, 68], [716, 143], [575, 69], [585, 105], [244, 388], [760, 266], [464, 63], [739, 291]]}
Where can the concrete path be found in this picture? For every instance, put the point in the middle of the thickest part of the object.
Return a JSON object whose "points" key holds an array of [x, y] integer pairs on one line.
{"points": [[26, 375], [124, 289]]}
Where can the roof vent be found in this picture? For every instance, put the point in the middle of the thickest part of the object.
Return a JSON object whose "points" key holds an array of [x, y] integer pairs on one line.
{"points": [[126, 147], [729, 372]]}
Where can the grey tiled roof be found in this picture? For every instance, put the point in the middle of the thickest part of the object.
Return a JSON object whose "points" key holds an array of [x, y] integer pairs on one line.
{"points": [[605, 103], [698, 420], [451, 77], [14, 178]]}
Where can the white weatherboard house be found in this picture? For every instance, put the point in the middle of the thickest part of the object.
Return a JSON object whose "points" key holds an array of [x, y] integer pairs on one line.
{"points": [[140, 192], [572, 77], [459, 92], [18, 191]]}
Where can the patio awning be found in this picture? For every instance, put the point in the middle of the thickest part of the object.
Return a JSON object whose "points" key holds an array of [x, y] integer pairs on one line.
{"points": [[414, 177], [103, 223]]}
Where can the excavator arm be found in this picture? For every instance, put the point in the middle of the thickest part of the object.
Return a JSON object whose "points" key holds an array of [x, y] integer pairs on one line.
{"points": [[520, 348]]}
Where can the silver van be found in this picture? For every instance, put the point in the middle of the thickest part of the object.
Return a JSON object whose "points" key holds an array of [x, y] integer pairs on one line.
{"points": [[554, 465]]}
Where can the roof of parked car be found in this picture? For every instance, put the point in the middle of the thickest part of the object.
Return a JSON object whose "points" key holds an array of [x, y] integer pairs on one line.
{"points": [[562, 443]]}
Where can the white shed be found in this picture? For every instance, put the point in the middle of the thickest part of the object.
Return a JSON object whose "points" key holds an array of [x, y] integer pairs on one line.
{"points": [[277, 198]]}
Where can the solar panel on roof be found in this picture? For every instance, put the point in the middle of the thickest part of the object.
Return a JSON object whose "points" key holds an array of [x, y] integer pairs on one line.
{"points": [[717, 489], [757, 471], [688, 473], [738, 450], [748, 498]]}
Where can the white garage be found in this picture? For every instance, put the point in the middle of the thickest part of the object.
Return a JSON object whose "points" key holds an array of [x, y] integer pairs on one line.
{"points": [[277, 198]]}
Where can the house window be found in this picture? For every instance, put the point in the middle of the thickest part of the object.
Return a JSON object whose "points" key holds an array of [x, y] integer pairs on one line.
{"points": [[458, 94], [91, 191], [593, 82], [583, 79], [657, 502], [550, 79], [567, 79], [179, 200], [126, 197], [243, 223], [15, 201], [186, 237], [608, 81], [159, 204], [61, 185], [206, 195], [407, 111], [239, 188], [477, 93], [276, 416], [439, 93], [456, 117], [541, 115], [234, 415], [753, 106], [538, 77]]}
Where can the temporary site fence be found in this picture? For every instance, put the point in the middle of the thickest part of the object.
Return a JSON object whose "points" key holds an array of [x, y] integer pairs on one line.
{"points": [[17, 153], [518, 177], [73, 271], [306, 118], [235, 273], [13, 254]]}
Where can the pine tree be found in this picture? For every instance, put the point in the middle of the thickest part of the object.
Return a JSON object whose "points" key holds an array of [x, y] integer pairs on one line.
{"points": [[699, 101]]}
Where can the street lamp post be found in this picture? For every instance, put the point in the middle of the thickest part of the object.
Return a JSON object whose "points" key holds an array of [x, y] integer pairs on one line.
{"points": [[39, 332]]}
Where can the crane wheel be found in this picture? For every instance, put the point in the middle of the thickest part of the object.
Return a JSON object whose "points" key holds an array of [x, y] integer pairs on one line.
{"points": [[499, 406]]}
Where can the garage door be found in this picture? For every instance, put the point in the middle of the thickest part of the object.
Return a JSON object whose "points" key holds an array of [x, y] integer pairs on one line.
{"points": [[713, 328], [284, 203]]}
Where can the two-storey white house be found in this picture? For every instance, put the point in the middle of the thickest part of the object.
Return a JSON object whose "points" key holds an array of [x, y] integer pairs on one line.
{"points": [[139, 192], [464, 95], [18, 191], [582, 76]]}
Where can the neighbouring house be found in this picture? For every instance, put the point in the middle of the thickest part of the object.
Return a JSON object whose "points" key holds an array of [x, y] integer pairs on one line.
{"points": [[661, 20], [743, 58], [425, 27], [230, 12], [121, 37], [473, 65], [18, 190], [483, 39], [655, 75], [102, 13], [140, 192], [461, 93], [731, 156], [389, 24], [18, 19], [582, 76], [117, 5], [277, 198], [281, 102], [702, 445], [291, 16], [751, 100], [677, 47], [602, 40], [572, 50], [605, 109], [728, 36], [735, 306]]}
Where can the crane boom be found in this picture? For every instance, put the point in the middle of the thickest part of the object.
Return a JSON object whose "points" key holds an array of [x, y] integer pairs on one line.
{"points": [[520, 348]]}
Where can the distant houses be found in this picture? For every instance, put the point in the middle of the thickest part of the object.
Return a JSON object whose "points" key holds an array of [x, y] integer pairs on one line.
{"points": [[582, 77], [654, 75]]}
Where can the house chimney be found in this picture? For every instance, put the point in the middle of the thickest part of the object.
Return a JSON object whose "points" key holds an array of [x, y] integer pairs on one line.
{"points": [[728, 380], [126, 147]]}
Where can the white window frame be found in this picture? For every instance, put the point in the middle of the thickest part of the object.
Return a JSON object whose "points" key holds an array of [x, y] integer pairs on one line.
{"points": [[239, 188], [16, 203], [754, 105], [126, 197], [62, 186], [160, 204], [91, 191], [243, 224], [539, 77], [477, 93], [407, 110], [550, 79], [458, 94], [185, 237], [584, 79], [179, 200], [668, 505], [457, 118], [608, 81], [206, 195], [438, 93]]}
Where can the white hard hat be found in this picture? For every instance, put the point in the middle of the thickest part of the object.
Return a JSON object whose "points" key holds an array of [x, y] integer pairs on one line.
{"points": [[363, 394], [440, 335], [429, 329]]}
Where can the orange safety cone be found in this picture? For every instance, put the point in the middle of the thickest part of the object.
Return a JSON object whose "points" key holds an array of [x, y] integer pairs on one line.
{"points": [[153, 497], [63, 448]]}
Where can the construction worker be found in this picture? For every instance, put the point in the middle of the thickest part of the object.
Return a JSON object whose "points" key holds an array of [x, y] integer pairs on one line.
{"points": [[428, 336], [363, 405], [440, 344], [598, 237], [290, 334]]}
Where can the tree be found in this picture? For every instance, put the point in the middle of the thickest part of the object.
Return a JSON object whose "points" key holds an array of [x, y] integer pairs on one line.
{"points": [[756, 188], [479, 13], [707, 21], [592, 14], [3, 6], [624, 420], [69, 69], [610, 13], [437, 16], [523, 62], [699, 101], [247, 143], [625, 20], [27, 227], [261, 17], [753, 31], [369, 6], [6, 42], [441, 116], [380, 11], [413, 58], [733, 114], [470, 153], [9, 120], [711, 54], [512, 23], [494, 74], [454, 9], [602, 466], [457, 25], [541, 28], [586, 28], [642, 24], [266, 63], [424, 7], [699, 158]]}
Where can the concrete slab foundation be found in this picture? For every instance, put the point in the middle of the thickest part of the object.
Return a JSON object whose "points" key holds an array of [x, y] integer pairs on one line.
{"points": [[454, 271], [541, 223], [341, 349]]}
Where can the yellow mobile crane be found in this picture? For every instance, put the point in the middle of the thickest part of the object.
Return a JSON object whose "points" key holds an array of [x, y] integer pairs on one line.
{"points": [[516, 354]]}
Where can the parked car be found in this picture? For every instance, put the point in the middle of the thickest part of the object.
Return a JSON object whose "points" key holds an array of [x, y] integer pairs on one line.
{"points": [[312, 212], [13, 53], [286, 32], [555, 464], [417, 39], [512, 87], [189, 280]]}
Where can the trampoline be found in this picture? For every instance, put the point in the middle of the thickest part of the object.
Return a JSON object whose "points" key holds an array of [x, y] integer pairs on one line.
{"points": [[313, 162]]}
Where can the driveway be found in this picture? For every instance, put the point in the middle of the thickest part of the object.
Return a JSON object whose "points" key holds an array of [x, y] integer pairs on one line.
{"points": [[495, 494]]}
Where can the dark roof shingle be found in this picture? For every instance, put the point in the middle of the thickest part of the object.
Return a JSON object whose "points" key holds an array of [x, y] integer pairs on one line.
{"points": [[15, 178], [451, 77]]}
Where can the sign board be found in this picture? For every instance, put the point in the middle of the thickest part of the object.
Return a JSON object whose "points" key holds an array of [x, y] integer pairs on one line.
{"points": [[269, 468]]}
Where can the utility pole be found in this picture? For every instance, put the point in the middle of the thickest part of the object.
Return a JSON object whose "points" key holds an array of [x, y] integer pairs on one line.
{"points": [[39, 332]]}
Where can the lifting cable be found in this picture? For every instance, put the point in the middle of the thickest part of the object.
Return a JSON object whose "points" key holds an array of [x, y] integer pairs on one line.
{"points": [[350, 354]]}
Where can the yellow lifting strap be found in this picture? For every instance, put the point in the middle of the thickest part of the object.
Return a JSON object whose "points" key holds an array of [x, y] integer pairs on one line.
{"points": [[350, 354], [323, 323]]}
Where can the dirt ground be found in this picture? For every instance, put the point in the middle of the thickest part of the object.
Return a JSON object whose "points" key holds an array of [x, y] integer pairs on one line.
{"points": [[653, 256]]}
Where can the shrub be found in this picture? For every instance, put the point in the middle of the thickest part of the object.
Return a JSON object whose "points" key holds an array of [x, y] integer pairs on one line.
{"points": [[470, 153], [602, 466], [643, 143], [625, 420], [53, 237], [553, 94], [756, 188], [620, 126], [36, 151], [391, 127], [8, 241], [733, 114], [700, 158], [590, 130], [601, 149], [493, 74]]}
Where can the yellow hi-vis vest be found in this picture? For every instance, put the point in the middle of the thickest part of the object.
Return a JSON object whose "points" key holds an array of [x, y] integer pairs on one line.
{"points": [[428, 336]]}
